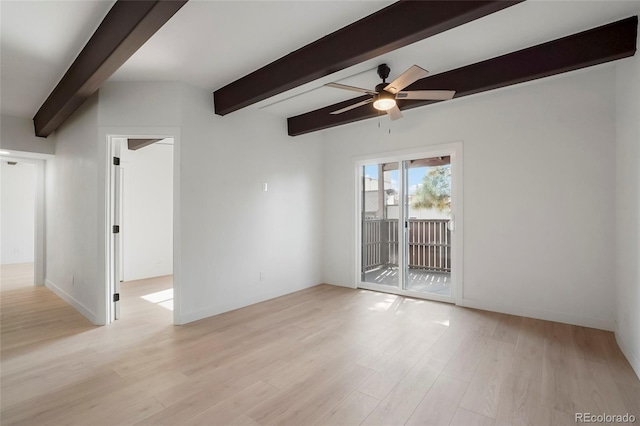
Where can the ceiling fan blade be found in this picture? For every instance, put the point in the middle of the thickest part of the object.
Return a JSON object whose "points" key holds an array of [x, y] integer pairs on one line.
{"points": [[350, 107], [427, 95], [394, 113], [411, 75], [352, 88]]}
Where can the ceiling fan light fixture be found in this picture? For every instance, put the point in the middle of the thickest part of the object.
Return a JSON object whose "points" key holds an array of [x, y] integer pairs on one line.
{"points": [[383, 97], [384, 101]]}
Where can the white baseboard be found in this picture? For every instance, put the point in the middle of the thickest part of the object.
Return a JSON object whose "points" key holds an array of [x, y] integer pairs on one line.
{"points": [[187, 317], [542, 314], [341, 285], [71, 301], [633, 358], [529, 312], [226, 307]]}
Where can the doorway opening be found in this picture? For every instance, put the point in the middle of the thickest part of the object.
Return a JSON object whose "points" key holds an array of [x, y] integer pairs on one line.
{"points": [[407, 241], [22, 220], [142, 217]]}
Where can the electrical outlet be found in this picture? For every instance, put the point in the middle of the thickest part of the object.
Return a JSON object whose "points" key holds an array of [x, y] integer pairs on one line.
{"points": [[261, 276]]}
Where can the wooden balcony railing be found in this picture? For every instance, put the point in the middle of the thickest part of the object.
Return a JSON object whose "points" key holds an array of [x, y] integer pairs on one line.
{"points": [[429, 243]]}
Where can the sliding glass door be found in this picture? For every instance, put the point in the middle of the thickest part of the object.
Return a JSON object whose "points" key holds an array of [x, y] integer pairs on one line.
{"points": [[427, 242], [406, 224], [380, 218]]}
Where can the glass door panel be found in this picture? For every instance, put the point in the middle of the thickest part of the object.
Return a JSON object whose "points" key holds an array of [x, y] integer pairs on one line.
{"points": [[380, 219], [427, 242]]}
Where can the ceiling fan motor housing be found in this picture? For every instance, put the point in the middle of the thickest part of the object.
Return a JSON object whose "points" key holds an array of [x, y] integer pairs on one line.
{"points": [[383, 94], [383, 72]]}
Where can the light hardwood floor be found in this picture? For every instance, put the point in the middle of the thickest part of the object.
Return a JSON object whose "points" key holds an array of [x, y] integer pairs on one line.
{"points": [[325, 355], [16, 275]]}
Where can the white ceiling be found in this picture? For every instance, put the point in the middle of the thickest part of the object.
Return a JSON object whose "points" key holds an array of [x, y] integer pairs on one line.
{"points": [[211, 43], [517, 27], [38, 42]]}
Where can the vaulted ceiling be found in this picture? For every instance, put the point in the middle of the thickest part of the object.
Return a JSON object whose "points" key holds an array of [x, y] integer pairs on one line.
{"points": [[213, 43]]}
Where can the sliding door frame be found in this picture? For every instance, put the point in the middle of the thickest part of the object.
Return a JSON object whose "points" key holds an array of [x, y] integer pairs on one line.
{"points": [[454, 150]]}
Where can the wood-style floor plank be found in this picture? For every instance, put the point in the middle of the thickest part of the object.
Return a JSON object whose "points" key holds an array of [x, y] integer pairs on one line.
{"points": [[15, 276], [483, 396], [322, 356], [439, 405], [469, 418], [352, 410]]}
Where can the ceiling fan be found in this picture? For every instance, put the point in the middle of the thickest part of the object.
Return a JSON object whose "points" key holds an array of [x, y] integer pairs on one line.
{"points": [[385, 94]]}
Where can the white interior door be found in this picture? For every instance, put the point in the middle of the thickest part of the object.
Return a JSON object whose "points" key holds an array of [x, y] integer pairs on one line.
{"points": [[120, 195], [116, 242]]}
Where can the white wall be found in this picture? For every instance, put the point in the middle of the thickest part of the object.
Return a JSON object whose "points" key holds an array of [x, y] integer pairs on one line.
{"points": [[72, 195], [538, 193], [17, 209], [130, 105], [227, 230], [142, 109], [18, 134], [147, 225], [627, 175], [232, 230]]}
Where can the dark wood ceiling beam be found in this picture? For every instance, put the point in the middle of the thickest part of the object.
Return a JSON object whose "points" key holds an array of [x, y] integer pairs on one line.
{"points": [[127, 26], [393, 27], [596, 46]]}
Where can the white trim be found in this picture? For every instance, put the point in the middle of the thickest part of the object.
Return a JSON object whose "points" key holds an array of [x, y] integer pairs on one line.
{"points": [[634, 359], [104, 208], [26, 155], [543, 314], [351, 285], [409, 154], [115, 200], [232, 306], [91, 316], [40, 254], [39, 246], [109, 260], [205, 313], [453, 149]]}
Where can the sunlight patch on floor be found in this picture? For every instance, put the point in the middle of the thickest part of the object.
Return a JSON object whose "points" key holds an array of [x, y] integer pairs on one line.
{"points": [[162, 298], [383, 306]]}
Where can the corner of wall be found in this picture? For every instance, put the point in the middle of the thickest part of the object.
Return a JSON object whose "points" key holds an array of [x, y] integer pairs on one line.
{"points": [[18, 134], [71, 198], [627, 209], [73, 302], [632, 357]]}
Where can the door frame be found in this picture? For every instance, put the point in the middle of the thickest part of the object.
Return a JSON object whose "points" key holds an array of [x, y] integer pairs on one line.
{"points": [[39, 162], [109, 135], [452, 149]]}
